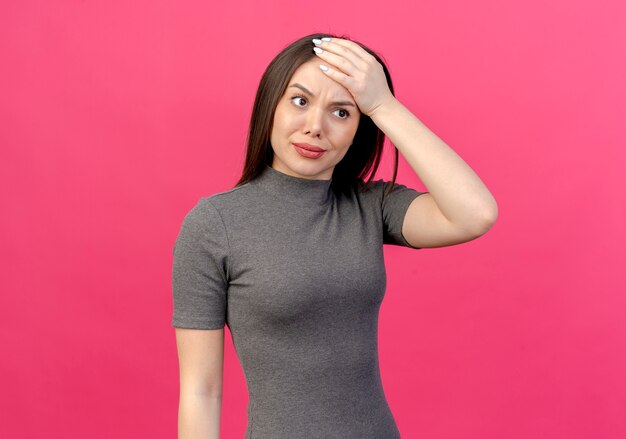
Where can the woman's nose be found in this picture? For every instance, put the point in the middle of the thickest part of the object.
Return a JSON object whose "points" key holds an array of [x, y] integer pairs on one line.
{"points": [[314, 122]]}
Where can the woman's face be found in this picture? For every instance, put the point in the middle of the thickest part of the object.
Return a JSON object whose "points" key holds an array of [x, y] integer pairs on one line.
{"points": [[315, 111]]}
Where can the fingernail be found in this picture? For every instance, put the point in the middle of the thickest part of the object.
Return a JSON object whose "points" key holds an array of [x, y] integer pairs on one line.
{"points": [[317, 50], [316, 41], [323, 67], [326, 38]]}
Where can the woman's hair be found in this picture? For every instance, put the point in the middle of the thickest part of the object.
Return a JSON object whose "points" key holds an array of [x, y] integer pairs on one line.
{"points": [[363, 156]]}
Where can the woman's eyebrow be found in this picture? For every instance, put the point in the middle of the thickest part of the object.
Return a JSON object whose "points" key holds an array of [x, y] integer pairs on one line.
{"points": [[304, 89]]}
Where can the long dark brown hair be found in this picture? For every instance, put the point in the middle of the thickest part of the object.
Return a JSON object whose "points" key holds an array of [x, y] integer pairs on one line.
{"points": [[363, 156]]}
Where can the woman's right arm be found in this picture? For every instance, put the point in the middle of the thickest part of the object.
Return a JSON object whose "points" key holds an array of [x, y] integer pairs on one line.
{"points": [[201, 362]]}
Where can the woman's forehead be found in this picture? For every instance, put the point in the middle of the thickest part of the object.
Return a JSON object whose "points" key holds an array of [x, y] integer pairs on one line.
{"points": [[311, 77]]}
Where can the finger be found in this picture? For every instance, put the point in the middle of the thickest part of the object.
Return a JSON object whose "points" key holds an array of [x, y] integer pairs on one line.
{"points": [[340, 62], [337, 75], [350, 45], [334, 46]]}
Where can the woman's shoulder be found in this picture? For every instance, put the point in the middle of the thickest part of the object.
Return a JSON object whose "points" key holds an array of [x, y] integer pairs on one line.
{"points": [[208, 208], [382, 188], [369, 189], [382, 192], [228, 197]]}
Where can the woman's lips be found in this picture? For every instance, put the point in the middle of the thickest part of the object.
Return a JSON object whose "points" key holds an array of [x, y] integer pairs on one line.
{"points": [[306, 150]]}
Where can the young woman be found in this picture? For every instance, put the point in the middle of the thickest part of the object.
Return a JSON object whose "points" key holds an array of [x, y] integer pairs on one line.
{"points": [[291, 258]]}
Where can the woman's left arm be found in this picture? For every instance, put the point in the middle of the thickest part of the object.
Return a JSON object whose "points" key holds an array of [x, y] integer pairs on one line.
{"points": [[459, 194], [458, 207]]}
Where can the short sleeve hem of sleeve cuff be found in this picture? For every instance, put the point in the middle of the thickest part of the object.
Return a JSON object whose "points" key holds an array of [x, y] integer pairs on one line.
{"points": [[196, 324]]}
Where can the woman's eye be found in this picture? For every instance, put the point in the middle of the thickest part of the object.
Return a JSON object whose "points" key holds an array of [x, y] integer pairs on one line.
{"points": [[298, 100], [343, 114]]}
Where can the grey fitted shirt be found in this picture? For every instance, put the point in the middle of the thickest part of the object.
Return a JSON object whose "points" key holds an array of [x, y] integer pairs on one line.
{"points": [[297, 273]]}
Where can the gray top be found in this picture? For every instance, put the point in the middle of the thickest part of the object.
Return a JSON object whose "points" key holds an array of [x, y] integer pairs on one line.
{"points": [[297, 273]]}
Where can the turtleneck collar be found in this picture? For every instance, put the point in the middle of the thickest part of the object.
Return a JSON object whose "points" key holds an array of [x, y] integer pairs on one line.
{"points": [[294, 190]]}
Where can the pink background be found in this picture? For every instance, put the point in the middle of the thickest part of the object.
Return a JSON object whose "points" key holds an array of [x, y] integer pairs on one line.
{"points": [[116, 116]]}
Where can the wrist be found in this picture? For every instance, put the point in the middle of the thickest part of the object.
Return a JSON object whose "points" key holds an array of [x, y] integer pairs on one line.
{"points": [[384, 108]]}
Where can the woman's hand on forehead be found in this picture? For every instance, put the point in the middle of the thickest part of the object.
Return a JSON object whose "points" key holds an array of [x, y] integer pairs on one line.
{"points": [[355, 69]]}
